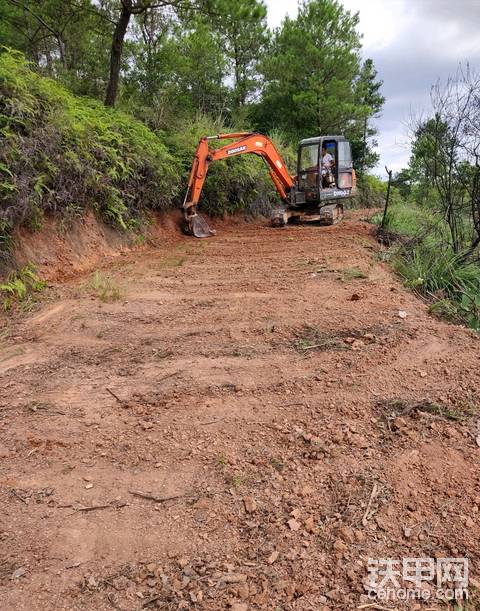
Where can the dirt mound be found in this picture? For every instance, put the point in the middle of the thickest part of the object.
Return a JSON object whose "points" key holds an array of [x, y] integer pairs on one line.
{"points": [[63, 251], [242, 426]]}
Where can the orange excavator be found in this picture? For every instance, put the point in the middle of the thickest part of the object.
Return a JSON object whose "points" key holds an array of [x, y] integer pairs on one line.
{"points": [[325, 178]]}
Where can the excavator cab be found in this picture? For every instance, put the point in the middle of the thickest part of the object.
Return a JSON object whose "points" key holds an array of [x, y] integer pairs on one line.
{"points": [[325, 177], [325, 170]]}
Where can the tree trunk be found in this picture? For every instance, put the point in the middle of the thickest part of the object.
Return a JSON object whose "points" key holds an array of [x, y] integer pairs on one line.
{"points": [[364, 144], [61, 49], [116, 55]]}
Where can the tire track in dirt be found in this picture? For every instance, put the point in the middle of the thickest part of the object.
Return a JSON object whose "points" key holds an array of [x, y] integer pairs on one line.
{"points": [[262, 385]]}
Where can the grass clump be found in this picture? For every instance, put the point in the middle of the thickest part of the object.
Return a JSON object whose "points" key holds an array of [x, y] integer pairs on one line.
{"points": [[104, 287], [426, 262], [21, 287], [407, 219], [353, 273], [452, 284]]}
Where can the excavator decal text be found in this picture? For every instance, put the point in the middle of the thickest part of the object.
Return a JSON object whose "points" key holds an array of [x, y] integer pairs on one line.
{"points": [[237, 149]]}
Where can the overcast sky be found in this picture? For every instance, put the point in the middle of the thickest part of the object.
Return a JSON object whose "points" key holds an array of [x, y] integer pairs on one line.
{"points": [[412, 43]]}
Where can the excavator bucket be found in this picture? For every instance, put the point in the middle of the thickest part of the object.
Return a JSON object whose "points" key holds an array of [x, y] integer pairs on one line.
{"points": [[197, 226]]}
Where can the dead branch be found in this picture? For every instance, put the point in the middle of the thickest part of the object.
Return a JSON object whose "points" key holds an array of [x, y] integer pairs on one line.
{"points": [[373, 494], [111, 505], [15, 493], [115, 396], [156, 499]]}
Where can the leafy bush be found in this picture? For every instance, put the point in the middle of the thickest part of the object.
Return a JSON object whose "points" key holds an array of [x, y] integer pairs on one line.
{"points": [[59, 151], [370, 193], [21, 286]]}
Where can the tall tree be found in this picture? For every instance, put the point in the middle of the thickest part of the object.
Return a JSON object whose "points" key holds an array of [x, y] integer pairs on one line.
{"points": [[369, 104], [310, 71], [126, 9], [446, 155], [242, 25], [176, 67], [65, 38], [48, 29], [149, 52]]}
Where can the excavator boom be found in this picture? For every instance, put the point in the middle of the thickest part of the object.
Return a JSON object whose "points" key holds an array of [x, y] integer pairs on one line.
{"points": [[245, 142]]}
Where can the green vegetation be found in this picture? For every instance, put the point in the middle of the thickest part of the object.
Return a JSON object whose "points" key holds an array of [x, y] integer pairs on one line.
{"points": [[322, 40], [104, 287], [353, 273], [61, 153], [237, 480], [436, 203], [428, 264], [21, 288], [370, 192], [407, 219], [234, 184]]}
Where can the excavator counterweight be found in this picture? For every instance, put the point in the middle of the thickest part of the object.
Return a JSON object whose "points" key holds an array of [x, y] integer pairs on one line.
{"points": [[323, 163]]}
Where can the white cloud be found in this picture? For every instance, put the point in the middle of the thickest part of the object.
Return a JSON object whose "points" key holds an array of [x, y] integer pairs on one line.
{"points": [[380, 21], [279, 9]]}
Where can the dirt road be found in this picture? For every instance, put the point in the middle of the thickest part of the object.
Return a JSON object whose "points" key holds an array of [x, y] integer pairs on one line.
{"points": [[244, 427]]}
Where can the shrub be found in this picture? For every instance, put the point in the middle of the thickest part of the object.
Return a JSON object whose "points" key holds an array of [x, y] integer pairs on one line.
{"points": [[20, 287], [452, 284], [370, 193], [428, 264], [58, 150]]}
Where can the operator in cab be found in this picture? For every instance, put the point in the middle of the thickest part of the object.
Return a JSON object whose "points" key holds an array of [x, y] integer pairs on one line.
{"points": [[327, 160], [327, 167]]}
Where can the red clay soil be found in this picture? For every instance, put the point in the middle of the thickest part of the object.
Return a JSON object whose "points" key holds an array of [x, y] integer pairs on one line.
{"points": [[242, 427]]}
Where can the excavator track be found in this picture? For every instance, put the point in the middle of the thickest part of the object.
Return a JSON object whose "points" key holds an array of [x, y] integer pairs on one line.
{"points": [[331, 214]]}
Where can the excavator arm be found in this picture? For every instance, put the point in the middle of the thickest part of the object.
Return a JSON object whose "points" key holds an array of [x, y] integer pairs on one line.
{"points": [[245, 142]]}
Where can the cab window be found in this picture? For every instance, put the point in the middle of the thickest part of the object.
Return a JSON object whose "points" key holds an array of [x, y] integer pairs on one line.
{"points": [[344, 155], [309, 158]]}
